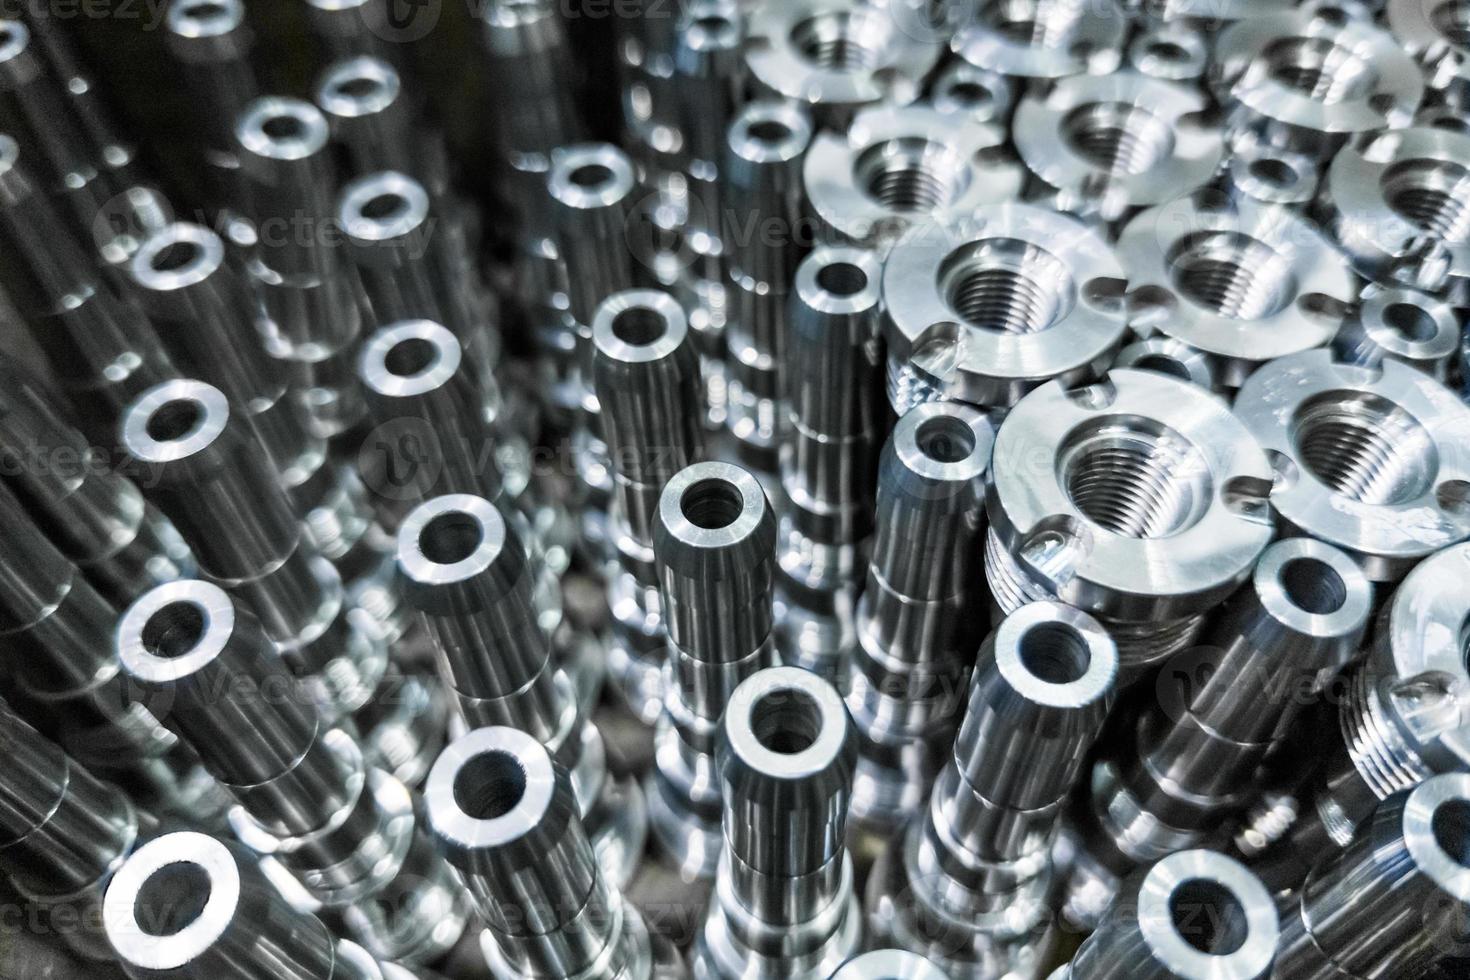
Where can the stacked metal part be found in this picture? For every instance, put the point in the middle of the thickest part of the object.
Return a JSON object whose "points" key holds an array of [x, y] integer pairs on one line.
{"points": [[197, 458], [1408, 864], [968, 883], [1184, 767], [504, 813], [646, 378], [345, 829], [186, 906], [829, 456], [784, 902], [918, 619], [63, 833], [467, 572], [714, 540]]}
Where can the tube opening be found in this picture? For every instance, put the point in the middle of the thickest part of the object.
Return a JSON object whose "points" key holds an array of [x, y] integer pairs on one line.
{"points": [[172, 898], [712, 504], [1313, 585], [842, 279], [387, 206], [490, 785], [1208, 916], [591, 175], [175, 256], [639, 326], [1411, 322], [174, 630], [1055, 653], [451, 538], [1450, 825], [945, 439], [174, 420], [411, 357], [786, 721]]}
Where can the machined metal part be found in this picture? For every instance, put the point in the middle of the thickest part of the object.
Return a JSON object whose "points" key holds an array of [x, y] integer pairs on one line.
{"points": [[468, 574], [1392, 201], [1242, 281], [1404, 325], [1172, 357], [504, 814], [1103, 147], [714, 540], [784, 903], [344, 829], [1433, 33], [187, 906], [213, 44], [966, 884], [372, 117], [918, 620], [1309, 81], [1171, 52], [898, 166], [836, 57], [985, 310], [1043, 40], [1186, 766], [63, 832], [1401, 719], [835, 420], [1118, 499], [1269, 174], [981, 94], [646, 376], [353, 27], [1407, 863], [1195, 915], [1371, 459], [889, 964]]}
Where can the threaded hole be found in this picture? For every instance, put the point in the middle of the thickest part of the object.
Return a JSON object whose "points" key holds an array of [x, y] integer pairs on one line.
{"points": [[1231, 274], [1432, 195], [1119, 138], [175, 256], [174, 630], [1313, 585], [1208, 916], [786, 721], [1452, 20], [639, 325], [1135, 478], [1319, 68], [450, 538], [384, 207], [712, 504], [1006, 285], [911, 175], [945, 439], [842, 279], [174, 420], [172, 898], [410, 358], [1054, 652], [1036, 23], [841, 41], [1365, 447], [1451, 827], [591, 175], [490, 785]]}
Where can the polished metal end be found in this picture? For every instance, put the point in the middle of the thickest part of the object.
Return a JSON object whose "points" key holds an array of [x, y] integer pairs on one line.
{"points": [[385, 217], [889, 964]]}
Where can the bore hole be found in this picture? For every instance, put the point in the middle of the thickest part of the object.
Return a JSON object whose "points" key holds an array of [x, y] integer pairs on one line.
{"points": [[451, 538], [1365, 447], [1411, 322], [841, 41], [945, 439], [490, 785], [385, 207], [842, 279], [1208, 916], [174, 420], [639, 325], [1038, 23], [361, 87], [1122, 139], [712, 504], [1055, 653], [1433, 195], [205, 11], [786, 721], [591, 175], [769, 131], [1164, 364], [1320, 68], [172, 898], [1277, 173], [1313, 585], [1451, 827], [410, 358], [972, 95], [174, 630], [1168, 51], [175, 256], [912, 175], [1007, 285], [1136, 478], [283, 128], [1231, 274]]}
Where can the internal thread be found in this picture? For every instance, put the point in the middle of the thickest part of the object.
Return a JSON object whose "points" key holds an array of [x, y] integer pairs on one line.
{"points": [[911, 176], [1231, 274], [908, 189], [1386, 763], [907, 387], [1036, 23], [841, 42], [1131, 485], [1433, 195], [1365, 448], [1006, 285], [1122, 139], [1319, 68]]}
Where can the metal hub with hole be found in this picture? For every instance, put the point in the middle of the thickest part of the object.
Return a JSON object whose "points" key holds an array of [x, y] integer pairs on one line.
{"points": [[1043, 39]]}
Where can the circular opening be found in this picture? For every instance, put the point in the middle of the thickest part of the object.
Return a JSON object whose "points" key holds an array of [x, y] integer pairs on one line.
{"points": [[769, 131], [911, 176], [1451, 827], [489, 785], [1277, 173], [971, 95], [176, 255], [384, 207], [712, 504], [945, 439], [174, 420], [1054, 652], [410, 358], [1136, 478], [1365, 447], [1231, 274], [1208, 916], [591, 175], [786, 721], [7, 37], [840, 41], [639, 325], [1038, 23], [1006, 285], [1164, 364], [1413, 323], [1320, 68], [1313, 585], [174, 630], [1433, 195], [1169, 51], [842, 279], [450, 538], [1122, 139], [283, 128], [205, 11], [172, 898], [361, 87]]}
